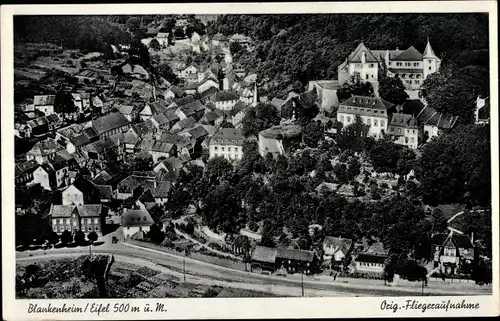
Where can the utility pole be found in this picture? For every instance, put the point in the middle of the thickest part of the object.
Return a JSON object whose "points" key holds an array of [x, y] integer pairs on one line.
{"points": [[302, 282], [422, 287], [184, 268]]}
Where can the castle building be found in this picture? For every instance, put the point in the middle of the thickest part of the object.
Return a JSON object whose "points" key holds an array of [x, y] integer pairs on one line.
{"points": [[411, 66], [373, 111]]}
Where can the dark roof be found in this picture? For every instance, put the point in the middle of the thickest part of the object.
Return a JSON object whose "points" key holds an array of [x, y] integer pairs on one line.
{"points": [[211, 116], [151, 145], [46, 147], [171, 115], [225, 96], [44, 100], [410, 54], [178, 92], [372, 102], [144, 128], [357, 54], [264, 254], [86, 210], [26, 167], [90, 133], [186, 123], [147, 197], [371, 258], [413, 107], [158, 107], [237, 108], [132, 218], [109, 122], [161, 119], [80, 140], [209, 92], [406, 71], [184, 101], [293, 254], [338, 243], [228, 135], [429, 116], [105, 191], [403, 120], [198, 132]]}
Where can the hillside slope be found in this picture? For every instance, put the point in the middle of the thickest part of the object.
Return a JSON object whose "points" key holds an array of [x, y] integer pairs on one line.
{"points": [[293, 49]]}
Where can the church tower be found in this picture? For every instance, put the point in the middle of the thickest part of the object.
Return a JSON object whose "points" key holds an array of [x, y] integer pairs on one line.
{"points": [[431, 61]]}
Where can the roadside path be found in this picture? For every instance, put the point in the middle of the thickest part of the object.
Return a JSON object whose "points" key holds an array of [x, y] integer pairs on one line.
{"points": [[186, 236]]}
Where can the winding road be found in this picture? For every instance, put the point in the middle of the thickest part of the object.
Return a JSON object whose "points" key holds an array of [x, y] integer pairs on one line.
{"points": [[215, 274]]}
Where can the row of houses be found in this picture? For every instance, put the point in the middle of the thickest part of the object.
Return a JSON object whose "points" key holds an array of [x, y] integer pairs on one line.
{"points": [[453, 251]]}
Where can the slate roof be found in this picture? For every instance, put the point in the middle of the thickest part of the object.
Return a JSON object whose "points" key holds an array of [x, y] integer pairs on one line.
{"points": [[264, 254], [184, 101], [356, 55], [44, 100], [90, 132], [185, 123], [44, 147], [371, 102], [429, 116], [459, 240], [410, 54], [428, 52], [136, 218], [86, 210], [144, 128], [403, 120], [178, 92], [338, 244], [211, 116], [105, 191], [293, 254], [171, 115], [371, 258], [109, 122], [158, 107], [26, 167], [224, 96], [406, 70], [154, 146], [228, 136], [161, 119], [198, 132], [380, 54], [70, 131]]}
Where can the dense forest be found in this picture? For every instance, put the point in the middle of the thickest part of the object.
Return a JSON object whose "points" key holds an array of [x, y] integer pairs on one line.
{"points": [[87, 33], [293, 49]]}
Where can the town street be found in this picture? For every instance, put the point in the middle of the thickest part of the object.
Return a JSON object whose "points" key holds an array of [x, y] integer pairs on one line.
{"points": [[216, 274]]}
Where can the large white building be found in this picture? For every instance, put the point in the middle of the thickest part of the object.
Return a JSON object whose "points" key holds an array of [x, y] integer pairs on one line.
{"points": [[411, 66], [227, 143], [373, 112]]}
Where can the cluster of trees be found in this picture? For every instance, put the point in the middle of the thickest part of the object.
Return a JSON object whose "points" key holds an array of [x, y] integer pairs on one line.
{"points": [[259, 118], [386, 156], [298, 48], [451, 172], [84, 32]]}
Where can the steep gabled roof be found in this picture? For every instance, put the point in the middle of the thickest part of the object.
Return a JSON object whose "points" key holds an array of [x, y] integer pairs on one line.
{"points": [[135, 218], [109, 122], [371, 102], [357, 54], [410, 54]]}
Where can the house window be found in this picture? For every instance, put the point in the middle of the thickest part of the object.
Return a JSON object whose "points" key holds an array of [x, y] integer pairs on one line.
{"points": [[90, 228], [215, 147], [382, 124], [222, 148], [96, 228], [229, 149], [367, 76], [368, 121], [430, 68], [68, 221], [415, 64], [348, 119], [61, 221], [96, 221], [371, 65], [341, 118]]}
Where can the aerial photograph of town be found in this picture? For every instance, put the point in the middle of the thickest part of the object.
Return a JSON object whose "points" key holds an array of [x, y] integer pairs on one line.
{"points": [[240, 155]]}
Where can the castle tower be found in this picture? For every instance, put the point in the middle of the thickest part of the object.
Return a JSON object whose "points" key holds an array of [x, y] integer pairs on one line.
{"points": [[431, 61]]}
